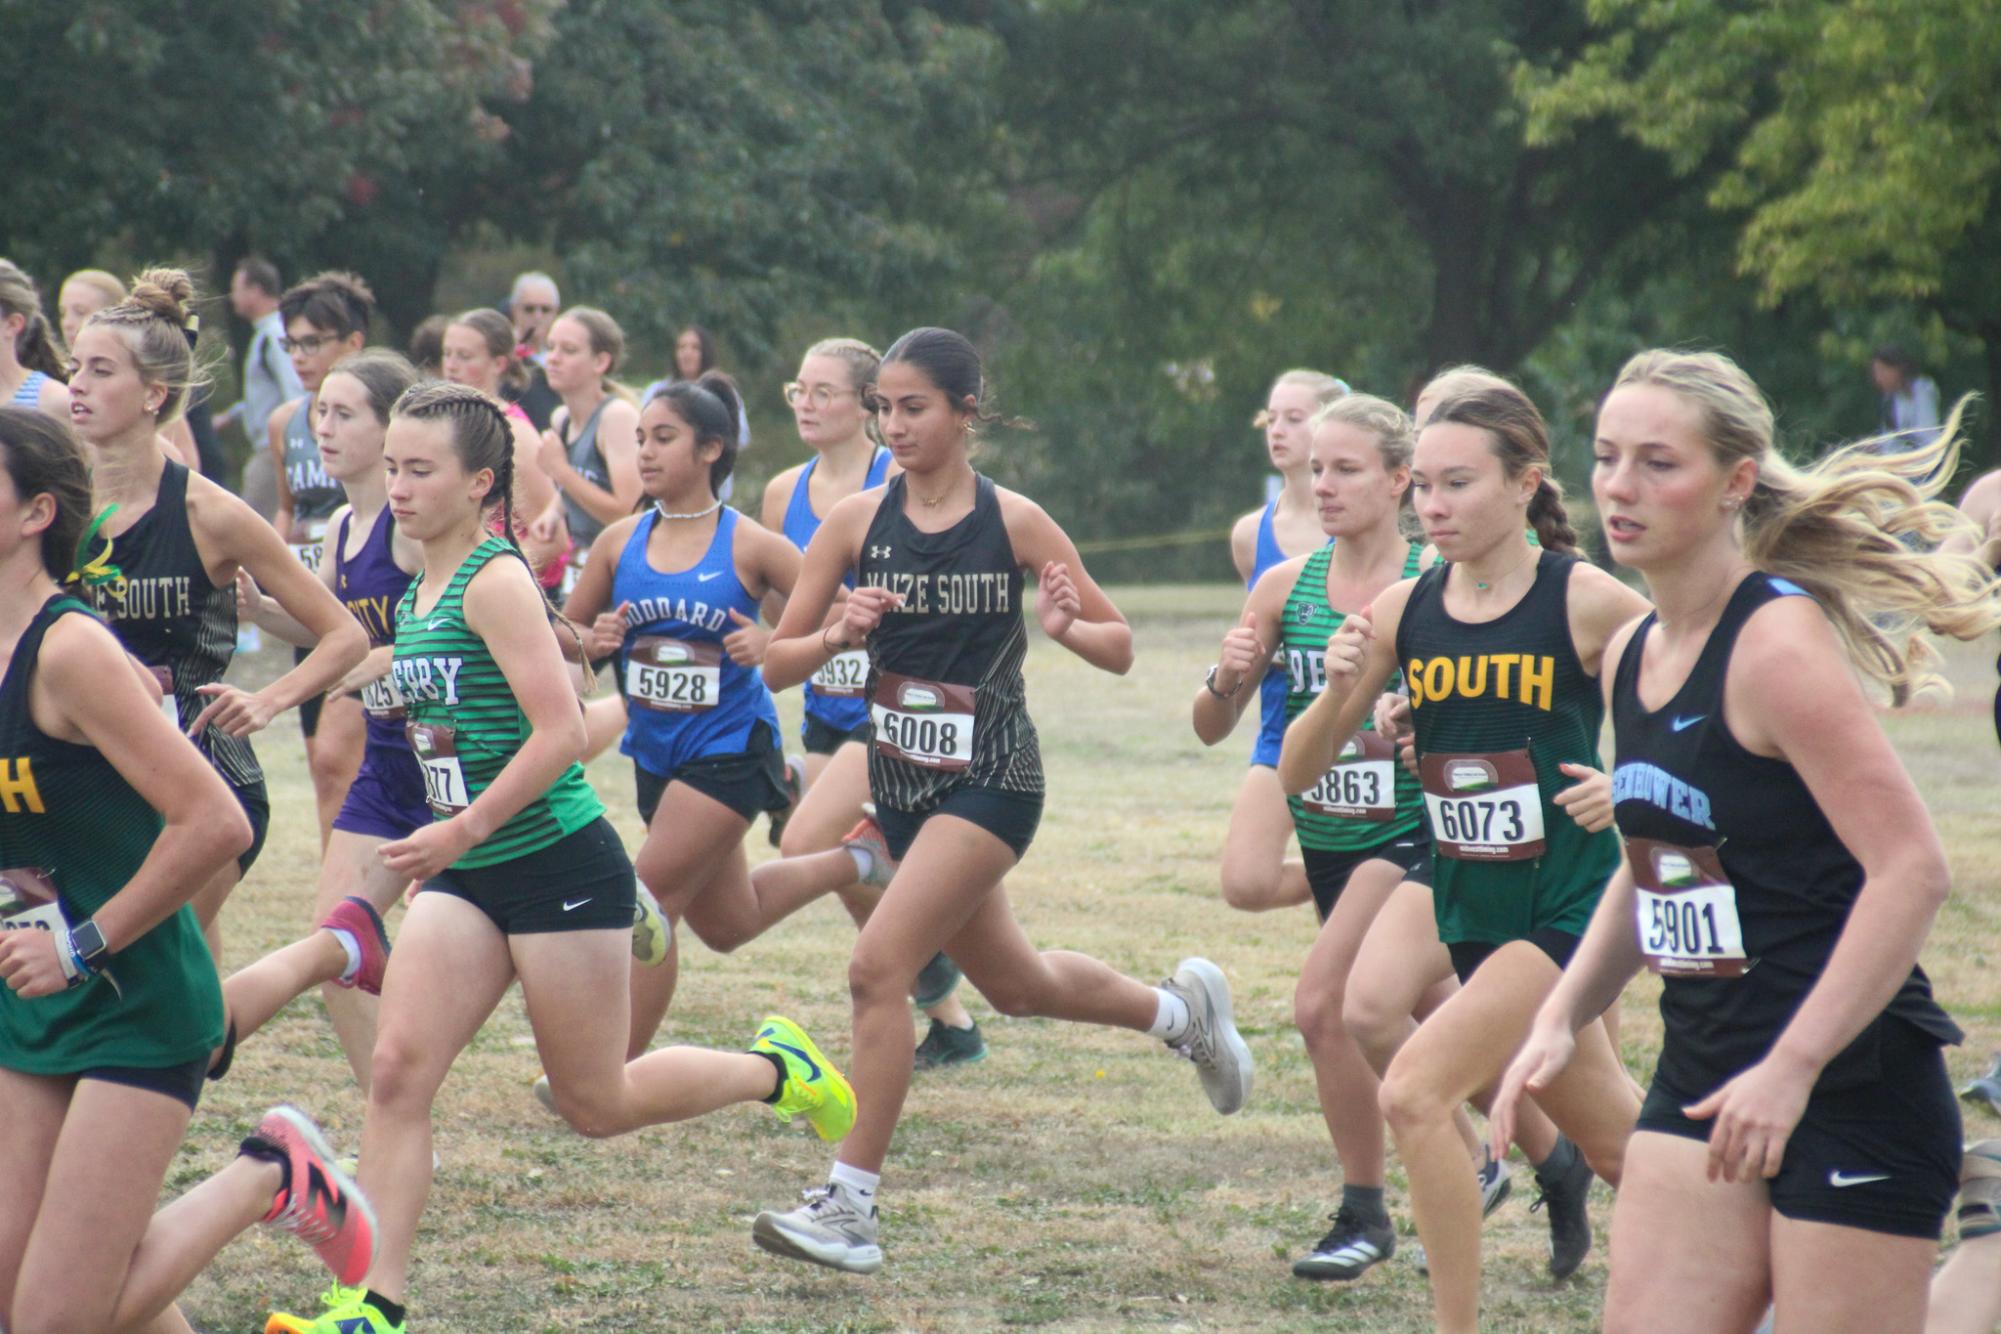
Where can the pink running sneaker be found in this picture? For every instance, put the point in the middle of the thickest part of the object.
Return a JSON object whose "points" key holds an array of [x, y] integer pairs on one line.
{"points": [[868, 836], [357, 917], [321, 1205]]}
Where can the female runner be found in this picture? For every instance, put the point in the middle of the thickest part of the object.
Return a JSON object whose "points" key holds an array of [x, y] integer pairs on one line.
{"points": [[1800, 1144], [110, 1009], [179, 540], [674, 592], [957, 776], [521, 876], [589, 449], [82, 295], [1500, 645], [827, 408], [326, 318], [477, 348], [31, 362], [1257, 874], [368, 566]]}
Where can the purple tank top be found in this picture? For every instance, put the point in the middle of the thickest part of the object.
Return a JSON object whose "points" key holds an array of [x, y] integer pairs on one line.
{"points": [[369, 586]]}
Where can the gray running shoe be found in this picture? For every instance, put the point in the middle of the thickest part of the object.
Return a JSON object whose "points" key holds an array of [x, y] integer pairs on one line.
{"points": [[826, 1230], [1494, 1183], [1212, 1042], [868, 835], [1985, 1092], [1350, 1248], [935, 981], [1980, 1190], [945, 1045]]}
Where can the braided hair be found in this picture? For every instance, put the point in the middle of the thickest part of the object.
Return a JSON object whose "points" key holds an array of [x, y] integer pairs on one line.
{"points": [[483, 437]]}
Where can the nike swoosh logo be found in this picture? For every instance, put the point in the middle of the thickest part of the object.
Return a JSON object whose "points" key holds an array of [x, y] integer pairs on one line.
{"points": [[811, 1064], [712, 574], [570, 907], [1837, 1178], [433, 625], [1683, 724]]}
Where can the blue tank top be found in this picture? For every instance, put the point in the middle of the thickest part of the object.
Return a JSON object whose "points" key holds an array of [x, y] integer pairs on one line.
{"points": [[684, 698], [29, 394], [837, 694], [369, 586], [1271, 691]]}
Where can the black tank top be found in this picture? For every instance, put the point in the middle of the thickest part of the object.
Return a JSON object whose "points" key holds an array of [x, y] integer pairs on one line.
{"points": [[960, 626], [170, 617], [1697, 808]]}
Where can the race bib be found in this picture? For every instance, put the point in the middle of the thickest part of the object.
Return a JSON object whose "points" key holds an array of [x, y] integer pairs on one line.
{"points": [[573, 568], [1687, 911], [1362, 782], [382, 700], [926, 723], [1484, 808], [308, 552], [844, 677], [673, 675], [437, 752], [29, 902], [168, 704]]}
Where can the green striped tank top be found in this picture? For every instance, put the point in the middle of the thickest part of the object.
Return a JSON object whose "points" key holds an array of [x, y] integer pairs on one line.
{"points": [[1366, 798], [73, 832], [465, 724]]}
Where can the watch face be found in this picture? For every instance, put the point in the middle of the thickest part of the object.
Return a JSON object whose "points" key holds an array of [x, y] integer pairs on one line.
{"points": [[89, 941]]}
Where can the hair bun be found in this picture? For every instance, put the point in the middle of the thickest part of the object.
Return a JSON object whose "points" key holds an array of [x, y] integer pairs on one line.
{"points": [[167, 294]]}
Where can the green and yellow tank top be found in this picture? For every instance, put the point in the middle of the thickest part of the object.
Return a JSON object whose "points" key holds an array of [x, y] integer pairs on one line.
{"points": [[464, 723], [1499, 706], [73, 833], [1366, 798]]}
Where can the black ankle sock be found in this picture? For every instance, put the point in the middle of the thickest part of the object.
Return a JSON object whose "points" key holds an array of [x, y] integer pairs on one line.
{"points": [[264, 1151], [778, 1064], [1560, 1160], [1365, 1201], [391, 1311]]}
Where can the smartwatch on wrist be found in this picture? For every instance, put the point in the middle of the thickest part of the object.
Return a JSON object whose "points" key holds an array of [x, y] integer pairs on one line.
{"points": [[86, 943]]}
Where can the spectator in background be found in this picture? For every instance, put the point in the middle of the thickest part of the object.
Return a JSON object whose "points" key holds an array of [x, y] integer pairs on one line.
{"points": [[83, 294], [1909, 398], [694, 357], [269, 378], [427, 346], [532, 307]]}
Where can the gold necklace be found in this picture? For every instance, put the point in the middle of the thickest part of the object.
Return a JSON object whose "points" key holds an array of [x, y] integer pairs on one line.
{"points": [[1483, 587]]}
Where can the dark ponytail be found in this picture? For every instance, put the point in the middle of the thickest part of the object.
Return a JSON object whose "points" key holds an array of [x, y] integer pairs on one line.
{"points": [[1521, 441], [42, 458]]}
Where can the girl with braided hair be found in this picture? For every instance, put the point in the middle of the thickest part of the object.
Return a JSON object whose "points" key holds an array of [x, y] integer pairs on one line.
{"points": [[172, 543], [520, 875]]}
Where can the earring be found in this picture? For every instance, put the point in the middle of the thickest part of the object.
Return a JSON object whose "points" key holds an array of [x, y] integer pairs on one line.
{"points": [[1730, 504]]}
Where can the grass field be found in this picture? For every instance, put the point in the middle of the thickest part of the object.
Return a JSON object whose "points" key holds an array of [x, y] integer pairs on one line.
{"points": [[1076, 1179]]}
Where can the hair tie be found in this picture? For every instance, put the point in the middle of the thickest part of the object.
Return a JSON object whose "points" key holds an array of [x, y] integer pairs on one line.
{"points": [[98, 571]]}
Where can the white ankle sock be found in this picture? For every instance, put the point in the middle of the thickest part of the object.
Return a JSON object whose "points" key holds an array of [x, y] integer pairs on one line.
{"points": [[859, 1185], [864, 860], [1171, 1020], [353, 948]]}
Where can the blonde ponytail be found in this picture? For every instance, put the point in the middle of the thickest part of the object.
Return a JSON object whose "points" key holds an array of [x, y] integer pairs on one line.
{"points": [[1860, 530]]}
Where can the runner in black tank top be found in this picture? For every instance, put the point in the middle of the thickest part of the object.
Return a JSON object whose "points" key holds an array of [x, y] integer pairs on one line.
{"points": [[166, 552], [1542, 617], [1799, 1142], [958, 780], [109, 1006]]}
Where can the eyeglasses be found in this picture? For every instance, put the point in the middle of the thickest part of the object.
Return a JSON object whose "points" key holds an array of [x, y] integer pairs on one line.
{"points": [[821, 396], [310, 344]]}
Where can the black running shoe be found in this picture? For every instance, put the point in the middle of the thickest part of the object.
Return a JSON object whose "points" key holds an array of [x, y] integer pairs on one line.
{"points": [[1566, 1192], [935, 981], [1348, 1250], [945, 1045]]}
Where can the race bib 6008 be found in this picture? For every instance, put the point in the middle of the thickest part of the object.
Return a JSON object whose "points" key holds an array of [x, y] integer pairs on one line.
{"points": [[928, 723], [1484, 808]]}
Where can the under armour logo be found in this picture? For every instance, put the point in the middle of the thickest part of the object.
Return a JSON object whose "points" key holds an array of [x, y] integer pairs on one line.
{"points": [[878, 553]]}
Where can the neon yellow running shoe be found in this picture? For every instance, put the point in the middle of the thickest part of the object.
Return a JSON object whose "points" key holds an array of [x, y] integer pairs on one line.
{"points": [[651, 931], [348, 1311], [812, 1084]]}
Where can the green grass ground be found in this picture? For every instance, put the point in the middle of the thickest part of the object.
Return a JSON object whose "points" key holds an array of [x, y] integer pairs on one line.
{"points": [[1076, 1179]]}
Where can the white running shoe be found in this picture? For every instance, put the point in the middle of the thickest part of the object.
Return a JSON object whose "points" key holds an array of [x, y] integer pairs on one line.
{"points": [[1212, 1042], [829, 1229]]}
